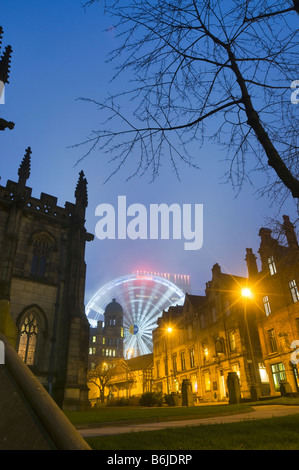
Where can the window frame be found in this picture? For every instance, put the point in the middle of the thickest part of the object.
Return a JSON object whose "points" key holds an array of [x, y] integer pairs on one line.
{"points": [[29, 330], [272, 265], [267, 305], [294, 290]]}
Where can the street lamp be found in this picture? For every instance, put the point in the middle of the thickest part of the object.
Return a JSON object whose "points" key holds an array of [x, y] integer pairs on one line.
{"points": [[247, 294], [130, 351], [169, 330], [127, 374]]}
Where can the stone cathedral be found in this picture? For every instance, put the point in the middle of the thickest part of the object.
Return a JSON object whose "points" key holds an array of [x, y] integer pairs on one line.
{"points": [[42, 284]]}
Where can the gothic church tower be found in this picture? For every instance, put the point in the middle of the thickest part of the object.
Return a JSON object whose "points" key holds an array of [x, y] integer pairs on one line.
{"points": [[42, 279]]}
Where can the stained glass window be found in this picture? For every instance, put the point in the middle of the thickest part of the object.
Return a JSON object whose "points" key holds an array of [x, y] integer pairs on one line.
{"points": [[28, 339]]}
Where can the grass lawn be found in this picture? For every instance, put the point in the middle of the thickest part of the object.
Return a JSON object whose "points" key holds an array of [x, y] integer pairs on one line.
{"points": [[269, 434], [139, 414]]}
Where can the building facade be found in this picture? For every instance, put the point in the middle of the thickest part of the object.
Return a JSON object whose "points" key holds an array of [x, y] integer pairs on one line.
{"points": [[276, 287], [205, 340], [42, 279], [242, 325], [107, 338], [119, 379], [136, 380]]}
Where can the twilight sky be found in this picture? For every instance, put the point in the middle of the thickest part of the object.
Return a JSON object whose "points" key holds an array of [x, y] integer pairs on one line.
{"points": [[59, 55]]}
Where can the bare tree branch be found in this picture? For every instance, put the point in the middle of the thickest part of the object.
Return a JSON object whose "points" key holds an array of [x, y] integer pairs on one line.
{"points": [[197, 60]]}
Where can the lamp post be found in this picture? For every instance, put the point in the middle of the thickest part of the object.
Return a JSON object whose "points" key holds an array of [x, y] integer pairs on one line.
{"points": [[247, 294], [127, 374], [168, 330]]}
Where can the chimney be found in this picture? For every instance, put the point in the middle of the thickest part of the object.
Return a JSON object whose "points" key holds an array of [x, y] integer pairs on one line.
{"points": [[216, 270], [289, 231], [251, 263]]}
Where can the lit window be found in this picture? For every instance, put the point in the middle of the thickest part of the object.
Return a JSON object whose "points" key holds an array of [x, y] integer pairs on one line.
{"points": [[294, 290], [207, 381], [263, 374], [278, 373], [28, 339], [232, 341], [94, 339], [205, 352], [267, 305], [236, 368], [271, 264]]}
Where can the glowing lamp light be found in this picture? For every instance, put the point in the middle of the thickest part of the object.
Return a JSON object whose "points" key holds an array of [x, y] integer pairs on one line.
{"points": [[169, 329], [246, 292]]}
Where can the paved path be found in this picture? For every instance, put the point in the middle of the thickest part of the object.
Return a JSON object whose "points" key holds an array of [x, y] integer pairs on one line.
{"points": [[260, 412]]}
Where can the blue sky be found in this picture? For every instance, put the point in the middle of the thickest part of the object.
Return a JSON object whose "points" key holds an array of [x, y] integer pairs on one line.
{"points": [[59, 55]]}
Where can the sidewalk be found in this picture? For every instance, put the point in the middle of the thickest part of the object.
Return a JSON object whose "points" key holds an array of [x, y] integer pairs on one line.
{"points": [[260, 412]]}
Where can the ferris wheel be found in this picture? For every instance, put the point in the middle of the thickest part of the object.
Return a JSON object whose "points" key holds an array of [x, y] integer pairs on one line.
{"points": [[143, 298]]}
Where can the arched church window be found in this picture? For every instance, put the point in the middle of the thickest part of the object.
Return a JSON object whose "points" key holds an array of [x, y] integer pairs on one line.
{"points": [[42, 245], [28, 338]]}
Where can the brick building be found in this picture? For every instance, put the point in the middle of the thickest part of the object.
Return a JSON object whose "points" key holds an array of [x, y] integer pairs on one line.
{"points": [[227, 330], [276, 288]]}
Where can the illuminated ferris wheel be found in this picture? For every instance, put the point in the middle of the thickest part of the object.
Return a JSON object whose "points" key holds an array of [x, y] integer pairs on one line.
{"points": [[143, 298]]}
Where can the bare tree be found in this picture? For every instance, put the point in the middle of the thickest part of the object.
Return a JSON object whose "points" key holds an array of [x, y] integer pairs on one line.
{"points": [[104, 371], [205, 68]]}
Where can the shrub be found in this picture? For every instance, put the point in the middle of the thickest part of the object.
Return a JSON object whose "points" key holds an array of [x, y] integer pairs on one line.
{"points": [[118, 402], [151, 399], [173, 399]]}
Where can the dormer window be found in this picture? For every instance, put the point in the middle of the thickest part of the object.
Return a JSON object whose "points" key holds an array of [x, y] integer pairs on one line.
{"points": [[271, 265]]}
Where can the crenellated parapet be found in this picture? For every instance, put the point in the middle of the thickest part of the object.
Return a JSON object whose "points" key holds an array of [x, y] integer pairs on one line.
{"points": [[46, 204]]}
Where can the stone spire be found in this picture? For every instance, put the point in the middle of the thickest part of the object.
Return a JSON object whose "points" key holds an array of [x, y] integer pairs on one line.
{"points": [[81, 191], [5, 60], [24, 169], [4, 74]]}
